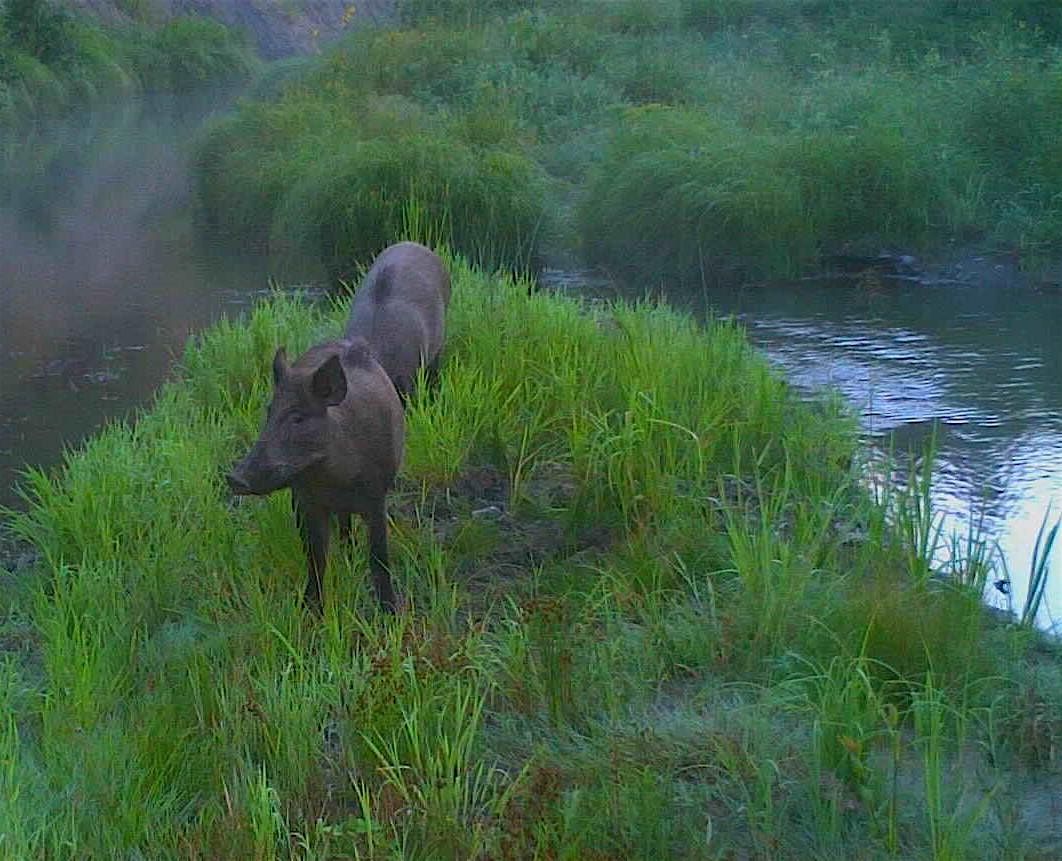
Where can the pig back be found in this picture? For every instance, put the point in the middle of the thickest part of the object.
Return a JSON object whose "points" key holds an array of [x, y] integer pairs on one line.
{"points": [[403, 298]]}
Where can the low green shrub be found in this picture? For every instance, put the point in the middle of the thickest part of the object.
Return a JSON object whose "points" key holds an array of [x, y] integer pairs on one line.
{"points": [[681, 195], [709, 16], [636, 17], [435, 62], [546, 40], [1013, 122], [52, 62], [305, 181], [350, 204], [462, 13], [37, 28], [187, 52]]}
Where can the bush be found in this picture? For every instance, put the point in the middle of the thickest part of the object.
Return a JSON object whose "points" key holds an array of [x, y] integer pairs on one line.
{"points": [[51, 62], [638, 17], [682, 196], [872, 184], [190, 51], [548, 40], [659, 72], [456, 12], [37, 28], [708, 16], [1013, 122], [436, 63], [244, 165], [347, 208]]}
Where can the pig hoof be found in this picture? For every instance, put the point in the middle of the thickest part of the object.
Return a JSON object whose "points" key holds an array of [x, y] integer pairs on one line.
{"points": [[395, 605], [312, 602]]}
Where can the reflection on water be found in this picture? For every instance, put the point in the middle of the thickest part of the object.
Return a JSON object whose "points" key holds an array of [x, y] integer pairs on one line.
{"points": [[983, 363], [101, 279]]}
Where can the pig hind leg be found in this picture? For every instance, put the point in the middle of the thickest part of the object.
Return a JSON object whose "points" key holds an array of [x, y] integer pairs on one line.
{"points": [[432, 373], [345, 527]]}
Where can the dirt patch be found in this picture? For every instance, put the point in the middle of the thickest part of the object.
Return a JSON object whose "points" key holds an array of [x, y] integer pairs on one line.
{"points": [[17, 556], [473, 517]]}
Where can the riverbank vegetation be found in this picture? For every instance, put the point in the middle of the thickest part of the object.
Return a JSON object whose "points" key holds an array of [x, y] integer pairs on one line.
{"points": [[695, 140], [52, 61], [656, 613]]}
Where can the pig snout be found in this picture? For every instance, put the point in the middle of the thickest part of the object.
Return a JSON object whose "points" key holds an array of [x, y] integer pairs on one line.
{"points": [[245, 476], [259, 474], [237, 483]]}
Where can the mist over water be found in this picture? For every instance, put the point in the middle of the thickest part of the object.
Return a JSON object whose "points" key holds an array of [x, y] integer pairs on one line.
{"points": [[102, 278]]}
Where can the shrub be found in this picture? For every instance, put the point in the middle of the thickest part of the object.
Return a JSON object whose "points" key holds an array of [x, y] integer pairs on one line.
{"points": [[869, 184], [681, 195], [189, 51], [456, 12], [433, 62], [659, 73], [37, 28], [51, 62], [348, 207], [548, 40], [708, 16], [638, 17], [243, 166], [1013, 122]]}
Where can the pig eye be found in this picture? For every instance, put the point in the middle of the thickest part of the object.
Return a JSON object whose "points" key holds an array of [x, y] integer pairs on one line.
{"points": [[297, 418]]}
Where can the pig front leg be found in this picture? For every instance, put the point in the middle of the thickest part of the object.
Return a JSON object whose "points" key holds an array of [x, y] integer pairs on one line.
{"points": [[376, 519], [314, 530]]}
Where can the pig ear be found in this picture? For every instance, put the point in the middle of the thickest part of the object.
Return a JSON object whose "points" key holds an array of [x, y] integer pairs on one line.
{"points": [[329, 382], [280, 365]]}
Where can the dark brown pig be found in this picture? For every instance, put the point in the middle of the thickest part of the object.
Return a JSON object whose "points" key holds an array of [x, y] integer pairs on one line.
{"points": [[334, 434], [400, 309]]}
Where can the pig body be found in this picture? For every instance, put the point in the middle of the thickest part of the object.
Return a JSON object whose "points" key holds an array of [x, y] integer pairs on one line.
{"points": [[400, 310], [334, 433]]}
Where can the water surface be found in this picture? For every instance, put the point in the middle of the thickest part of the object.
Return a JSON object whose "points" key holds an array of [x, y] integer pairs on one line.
{"points": [[102, 278], [981, 363]]}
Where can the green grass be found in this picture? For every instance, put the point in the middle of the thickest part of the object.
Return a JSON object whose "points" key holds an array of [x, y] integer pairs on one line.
{"points": [[690, 140], [53, 62], [641, 626], [303, 179]]}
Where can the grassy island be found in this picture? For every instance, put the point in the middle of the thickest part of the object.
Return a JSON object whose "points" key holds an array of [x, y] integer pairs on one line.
{"points": [[657, 612]]}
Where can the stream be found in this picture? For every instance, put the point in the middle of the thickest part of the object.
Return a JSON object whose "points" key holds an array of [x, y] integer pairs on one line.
{"points": [[102, 280]]}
